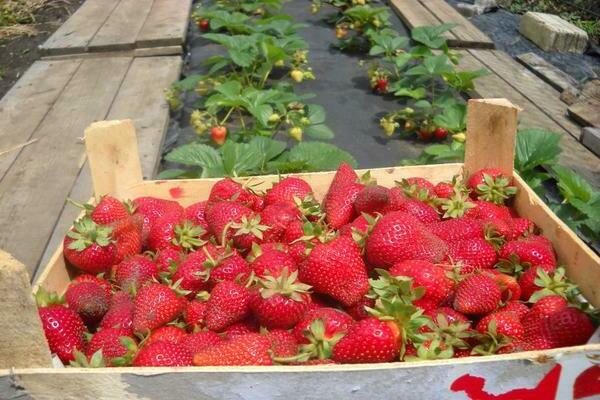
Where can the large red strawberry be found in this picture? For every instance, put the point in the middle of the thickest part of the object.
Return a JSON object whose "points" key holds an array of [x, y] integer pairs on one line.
{"points": [[162, 354], [528, 251], [167, 259], [229, 302], [109, 341], [424, 274], [371, 199], [515, 307], [450, 314], [220, 216], [488, 210], [196, 213], [505, 323], [423, 211], [120, 314], [192, 271], [108, 210], [283, 343], [444, 190], [477, 294], [174, 231], [528, 279], [167, 333], [229, 265], [155, 305], [249, 325], [127, 234], [511, 290], [283, 300], [320, 329], [521, 227], [417, 187], [152, 208], [89, 246], [395, 198], [88, 299], [278, 217], [476, 252], [272, 262], [194, 314], [358, 310], [133, 272], [286, 190], [567, 327], [457, 229], [344, 175], [491, 184], [248, 349], [228, 190], [367, 341], [198, 341], [339, 204], [399, 236], [62, 326], [337, 269], [103, 283]]}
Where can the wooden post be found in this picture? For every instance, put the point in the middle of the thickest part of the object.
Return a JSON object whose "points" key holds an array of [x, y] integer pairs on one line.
{"points": [[491, 135], [22, 341], [113, 156]]}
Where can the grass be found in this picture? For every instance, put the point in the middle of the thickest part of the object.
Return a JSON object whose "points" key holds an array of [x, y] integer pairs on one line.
{"points": [[17, 17], [581, 13]]}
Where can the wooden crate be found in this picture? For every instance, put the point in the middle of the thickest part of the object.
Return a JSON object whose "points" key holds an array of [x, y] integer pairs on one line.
{"points": [[112, 154]]}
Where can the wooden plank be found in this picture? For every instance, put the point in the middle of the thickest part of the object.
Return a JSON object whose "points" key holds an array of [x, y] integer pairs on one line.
{"points": [[122, 27], [414, 14], [28, 101], [467, 34], [546, 98], [586, 111], [141, 98], [145, 52], [574, 154], [33, 191], [22, 340], [166, 24], [553, 76], [79, 30]]}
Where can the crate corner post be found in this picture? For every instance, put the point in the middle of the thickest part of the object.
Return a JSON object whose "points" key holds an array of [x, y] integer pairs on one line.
{"points": [[22, 340], [491, 135], [112, 151]]}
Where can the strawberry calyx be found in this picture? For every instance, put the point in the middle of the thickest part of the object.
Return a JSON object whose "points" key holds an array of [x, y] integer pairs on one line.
{"points": [[395, 288], [457, 205], [320, 345], [309, 207], [250, 226], [285, 285], [491, 341], [497, 190], [493, 236], [86, 232], [81, 360], [512, 266], [434, 349], [132, 349], [366, 179], [187, 236], [414, 191], [452, 334], [43, 298], [361, 237], [554, 283]]}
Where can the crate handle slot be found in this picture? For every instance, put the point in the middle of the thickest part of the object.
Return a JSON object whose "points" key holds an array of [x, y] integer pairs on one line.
{"points": [[112, 152], [491, 135]]}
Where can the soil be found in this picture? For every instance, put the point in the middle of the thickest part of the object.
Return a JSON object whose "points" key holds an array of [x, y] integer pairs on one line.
{"points": [[18, 53]]}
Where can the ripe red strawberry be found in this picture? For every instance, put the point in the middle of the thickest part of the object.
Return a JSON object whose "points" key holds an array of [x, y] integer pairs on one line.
{"points": [[516, 307], [488, 210], [119, 298], [133, 272], [339, 204], [444, 190], [108, 210], [248, 349], [155, 305], [174, 231], [421, 184], [367, 341], [196, 213], [360, 224], [168, 333], [119, 315], [127, 235], [450, 314], [162, 354], [424, 274], [521, 227], [283, 343], [272, 262], [399, 236], [476, 252], [64, 330], [529, 252], [204, 24], [507, 324], [335, 323], [532, 320], [249, 325], [424, 212], [395, 199], [227, 266], [191, 272], [109, 341], [218, 134], [88, 299], [508, 285], [567, 327], [286, 189], [337, 269], [477, 295], [198, 341], [282, 301], [89, 246], [382, 85], [277, 217], [168, 258], [527, 280], [440, 133], [371, 199], [194, 313], [229, 190], [457, 229], [222, 214], [152, 208], [344, 175], [491, 184], [358, 310], [103, 283], [229, 302]]}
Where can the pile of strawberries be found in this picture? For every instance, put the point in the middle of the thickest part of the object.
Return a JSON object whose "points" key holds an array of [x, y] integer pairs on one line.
{"points": [[370, 274]]}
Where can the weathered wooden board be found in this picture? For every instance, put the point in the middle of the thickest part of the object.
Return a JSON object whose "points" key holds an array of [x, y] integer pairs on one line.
{"points": [[415, 13], [574, 154], [555, 77], [120, 25], [586, 111], [144, 52]]}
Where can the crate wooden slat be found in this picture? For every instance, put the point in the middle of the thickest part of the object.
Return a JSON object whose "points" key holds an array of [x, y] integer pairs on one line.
{"points": [[122, 25], [415, 13], [53, 102]]}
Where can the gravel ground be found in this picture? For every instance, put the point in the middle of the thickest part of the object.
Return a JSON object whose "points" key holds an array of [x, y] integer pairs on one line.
{"points": [[503, 28], [340, 86]]}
